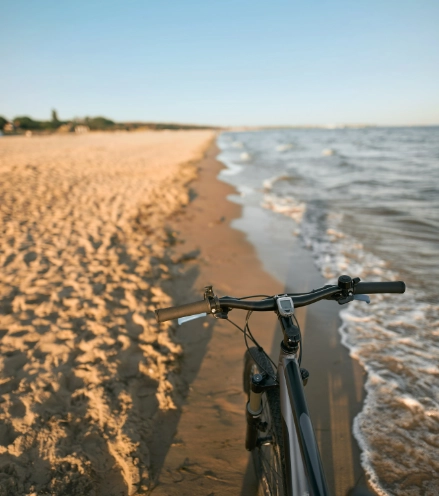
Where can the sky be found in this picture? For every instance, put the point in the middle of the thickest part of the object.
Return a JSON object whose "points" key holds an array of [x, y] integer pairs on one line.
{"points": [[226, 63]]}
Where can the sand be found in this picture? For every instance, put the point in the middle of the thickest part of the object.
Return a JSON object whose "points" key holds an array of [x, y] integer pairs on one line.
{"points": [[84, 250], [97, 232]]}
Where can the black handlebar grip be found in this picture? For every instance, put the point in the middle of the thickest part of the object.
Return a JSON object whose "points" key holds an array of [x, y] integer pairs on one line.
{"points": [[379, 287], [164, 314]]}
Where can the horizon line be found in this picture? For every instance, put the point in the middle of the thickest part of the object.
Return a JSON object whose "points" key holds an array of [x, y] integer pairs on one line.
{"points": [[332, 125]]}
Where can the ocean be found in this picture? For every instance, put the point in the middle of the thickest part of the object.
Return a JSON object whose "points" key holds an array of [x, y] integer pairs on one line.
{"points": [[365, 202]]}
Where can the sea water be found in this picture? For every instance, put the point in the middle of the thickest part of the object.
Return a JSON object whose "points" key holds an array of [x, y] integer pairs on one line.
{"points": [[366, 203]]}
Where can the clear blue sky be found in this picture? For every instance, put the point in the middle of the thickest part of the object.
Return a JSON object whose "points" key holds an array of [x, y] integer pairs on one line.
{"points": [[224, 62]]}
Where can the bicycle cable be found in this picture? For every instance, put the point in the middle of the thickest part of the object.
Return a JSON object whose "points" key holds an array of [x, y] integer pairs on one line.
{"points": [[253, 339], [237, 326], [254, 296], [300, 334], [260, 349], [247, 328], [250, 336]]}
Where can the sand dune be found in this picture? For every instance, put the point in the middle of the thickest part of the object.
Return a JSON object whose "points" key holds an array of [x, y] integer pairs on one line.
{"points": [[83, 368]]}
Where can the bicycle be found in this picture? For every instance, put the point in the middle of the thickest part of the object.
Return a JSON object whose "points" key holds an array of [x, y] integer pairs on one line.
{"points": [[279, 432]]}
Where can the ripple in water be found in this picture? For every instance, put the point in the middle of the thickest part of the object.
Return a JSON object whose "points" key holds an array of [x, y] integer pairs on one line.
{"points": [[367, 201]]}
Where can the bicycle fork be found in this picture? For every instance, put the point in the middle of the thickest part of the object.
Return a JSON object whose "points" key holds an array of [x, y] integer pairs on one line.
{"points": [[262, 382], [259, 384]]}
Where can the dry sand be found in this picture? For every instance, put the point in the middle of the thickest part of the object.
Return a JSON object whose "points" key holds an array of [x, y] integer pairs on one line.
{"points": [[83, 253]]}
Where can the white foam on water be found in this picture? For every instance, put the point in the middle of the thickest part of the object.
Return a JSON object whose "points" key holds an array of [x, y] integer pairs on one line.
{"points": [[237, 144], [244, 190], [232, 169], [269, 183], [395, 340], [287, 206], [245, 156], [327, 152], [398, 428], [284, 147]]}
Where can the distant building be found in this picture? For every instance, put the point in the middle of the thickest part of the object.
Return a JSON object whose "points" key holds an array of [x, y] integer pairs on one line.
{"points": [[8, 128]]}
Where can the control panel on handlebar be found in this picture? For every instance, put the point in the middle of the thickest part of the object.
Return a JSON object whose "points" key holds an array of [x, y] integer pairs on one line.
{"points": [[285, 305]]}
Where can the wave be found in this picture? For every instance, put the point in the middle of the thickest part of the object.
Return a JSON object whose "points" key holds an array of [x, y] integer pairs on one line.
{"points": [[287, 206], [397, 342], [232, 169], [269, 183], [237, 144], [284, 147], [327, 152]]}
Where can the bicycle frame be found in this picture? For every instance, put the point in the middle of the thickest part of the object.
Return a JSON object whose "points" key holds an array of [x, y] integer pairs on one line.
{"points": [[303, 465]]}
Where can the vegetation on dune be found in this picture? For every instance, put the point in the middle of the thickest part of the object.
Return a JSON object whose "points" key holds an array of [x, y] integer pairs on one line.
{"points": [[28, 124], [23, 124], [98, 123]]}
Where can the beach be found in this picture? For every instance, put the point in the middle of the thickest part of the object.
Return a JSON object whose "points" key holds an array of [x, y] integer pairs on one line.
{"points": [[150, 152], [84, 252], [98, 231]]}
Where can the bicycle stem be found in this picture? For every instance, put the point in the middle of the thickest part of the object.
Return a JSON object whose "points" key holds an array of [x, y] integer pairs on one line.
{"points": [[291, 333]]}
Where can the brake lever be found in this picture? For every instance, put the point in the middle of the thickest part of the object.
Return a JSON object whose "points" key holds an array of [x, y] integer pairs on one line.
{"points": [[362, 297], [347, 286], [346, 299], [359, 297], [182, 320]]}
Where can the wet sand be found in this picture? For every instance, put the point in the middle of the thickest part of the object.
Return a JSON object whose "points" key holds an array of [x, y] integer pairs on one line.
{"points": [[206, 455]]}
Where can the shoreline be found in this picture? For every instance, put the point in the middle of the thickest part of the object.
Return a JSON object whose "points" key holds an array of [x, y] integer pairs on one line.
{"points": [[334, 393]]}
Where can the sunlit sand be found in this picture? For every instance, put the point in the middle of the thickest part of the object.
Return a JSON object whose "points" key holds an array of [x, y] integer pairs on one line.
{"points": [[82, 247]]}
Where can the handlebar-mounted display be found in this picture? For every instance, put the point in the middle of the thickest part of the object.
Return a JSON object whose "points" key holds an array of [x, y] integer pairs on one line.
{"points": [[285, 305]]}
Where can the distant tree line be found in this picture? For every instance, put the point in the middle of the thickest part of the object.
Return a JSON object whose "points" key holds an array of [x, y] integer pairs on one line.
{"points": [[25, 123]]}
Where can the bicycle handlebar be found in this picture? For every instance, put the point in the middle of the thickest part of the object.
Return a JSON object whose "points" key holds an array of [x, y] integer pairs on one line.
{"points": [[379, 287], [164, 314], [209, 305]]}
